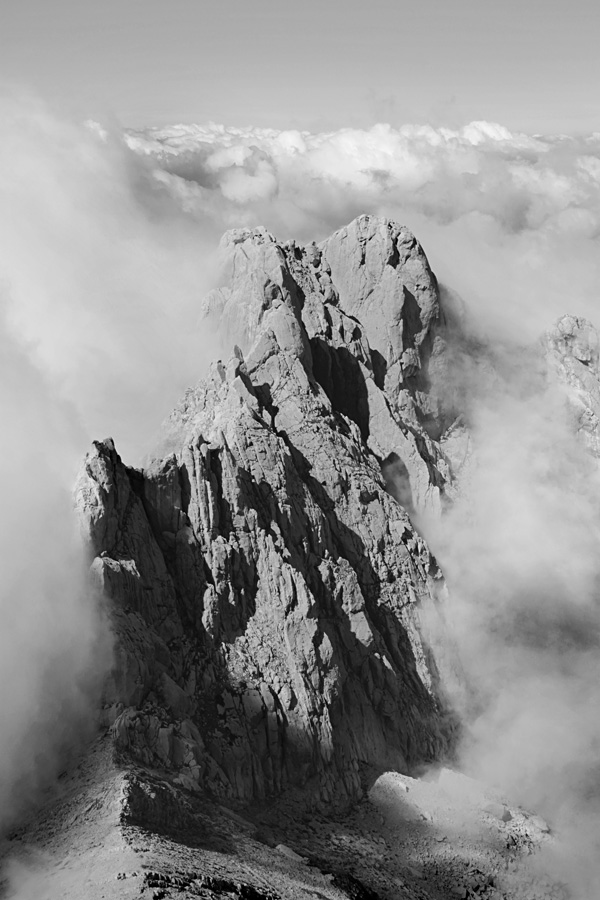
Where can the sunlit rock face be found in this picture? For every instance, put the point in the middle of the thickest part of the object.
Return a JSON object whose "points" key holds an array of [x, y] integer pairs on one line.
{"points": [[264, 573]]}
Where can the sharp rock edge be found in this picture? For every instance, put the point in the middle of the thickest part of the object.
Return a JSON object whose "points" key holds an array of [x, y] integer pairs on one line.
{"points": [[265, 583]]}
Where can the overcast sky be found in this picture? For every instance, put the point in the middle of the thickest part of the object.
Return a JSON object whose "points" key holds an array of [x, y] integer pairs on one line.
{"points": [[532, 65]]}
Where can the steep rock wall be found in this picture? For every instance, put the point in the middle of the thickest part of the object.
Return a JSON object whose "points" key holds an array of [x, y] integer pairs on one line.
{"points": [[264, 573]]}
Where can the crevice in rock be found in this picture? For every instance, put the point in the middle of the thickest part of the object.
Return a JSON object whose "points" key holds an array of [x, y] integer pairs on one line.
{"points": [[339, 373], [397, 482]]}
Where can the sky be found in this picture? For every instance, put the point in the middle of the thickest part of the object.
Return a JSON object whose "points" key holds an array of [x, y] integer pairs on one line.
{"points": [[533, 66]]}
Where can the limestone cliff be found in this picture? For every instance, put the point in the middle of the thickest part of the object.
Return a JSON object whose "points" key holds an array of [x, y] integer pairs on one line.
{"points": [[264, 573]]}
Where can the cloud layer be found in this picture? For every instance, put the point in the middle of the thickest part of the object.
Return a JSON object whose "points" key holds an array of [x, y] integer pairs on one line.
{"points": [[519, 549], [508, 220], [101, 275], [53, 640], [106, 252], [511, 222]]}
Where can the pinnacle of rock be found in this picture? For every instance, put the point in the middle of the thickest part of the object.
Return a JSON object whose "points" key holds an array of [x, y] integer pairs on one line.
{"points": [[271, 596], [264, 572]]}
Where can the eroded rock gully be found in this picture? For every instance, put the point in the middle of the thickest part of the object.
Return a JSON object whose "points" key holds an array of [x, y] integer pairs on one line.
{"points": [[265, 584]]}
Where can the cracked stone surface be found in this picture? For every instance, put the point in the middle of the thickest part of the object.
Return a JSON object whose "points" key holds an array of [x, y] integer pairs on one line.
{"points": [[265, 575]]}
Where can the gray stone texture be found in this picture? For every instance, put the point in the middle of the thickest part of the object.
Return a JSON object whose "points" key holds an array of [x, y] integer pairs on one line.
{"points": [[264, 573]]}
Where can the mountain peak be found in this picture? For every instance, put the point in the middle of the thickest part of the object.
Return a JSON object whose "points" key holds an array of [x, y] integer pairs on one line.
{"points": [[265, 540]]}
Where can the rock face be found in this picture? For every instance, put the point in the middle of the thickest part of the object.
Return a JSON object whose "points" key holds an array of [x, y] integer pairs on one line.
{"points": [[572, 350], [264, 572]]}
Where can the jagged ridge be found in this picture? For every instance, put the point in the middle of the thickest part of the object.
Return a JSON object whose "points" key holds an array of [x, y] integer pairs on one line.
{"points": [[265, 583]]}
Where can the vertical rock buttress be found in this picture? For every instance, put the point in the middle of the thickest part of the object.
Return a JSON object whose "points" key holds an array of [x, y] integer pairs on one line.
{"points": [[264, 573]]}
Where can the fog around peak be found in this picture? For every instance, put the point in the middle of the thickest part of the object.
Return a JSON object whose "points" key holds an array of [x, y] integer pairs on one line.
{"points": [[108, 247], [520, 212], [100, 279], [511, 223]]}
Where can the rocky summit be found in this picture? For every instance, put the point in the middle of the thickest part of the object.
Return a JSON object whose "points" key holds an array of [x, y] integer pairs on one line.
{"points": [[264, 574], [273, 697]]}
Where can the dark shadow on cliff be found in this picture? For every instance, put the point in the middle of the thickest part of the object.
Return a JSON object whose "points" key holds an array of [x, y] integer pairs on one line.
{"points": [[339, 373], [379, 713], [371, 697]]}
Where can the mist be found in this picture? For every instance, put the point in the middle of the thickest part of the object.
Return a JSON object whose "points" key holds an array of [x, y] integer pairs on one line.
{"points": [[107, 249], [102, 272], [101, 277], [54, 643], [511, 223], [519, 551], [509, 220]]}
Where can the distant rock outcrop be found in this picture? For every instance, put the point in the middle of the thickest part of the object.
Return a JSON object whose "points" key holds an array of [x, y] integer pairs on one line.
{"points": [[264, 573], [572, 349]]}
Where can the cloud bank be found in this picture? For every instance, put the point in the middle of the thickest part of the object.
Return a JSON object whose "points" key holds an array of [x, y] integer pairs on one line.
{"points": [[106, 252], [102, 273], [512, 223], [519, 549], [100, 279], [53, 641]]}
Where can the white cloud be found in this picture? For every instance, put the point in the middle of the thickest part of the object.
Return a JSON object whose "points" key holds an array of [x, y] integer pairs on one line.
{"points": [[511, 222], [100, 269], [106, 256], [101, 277]]}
